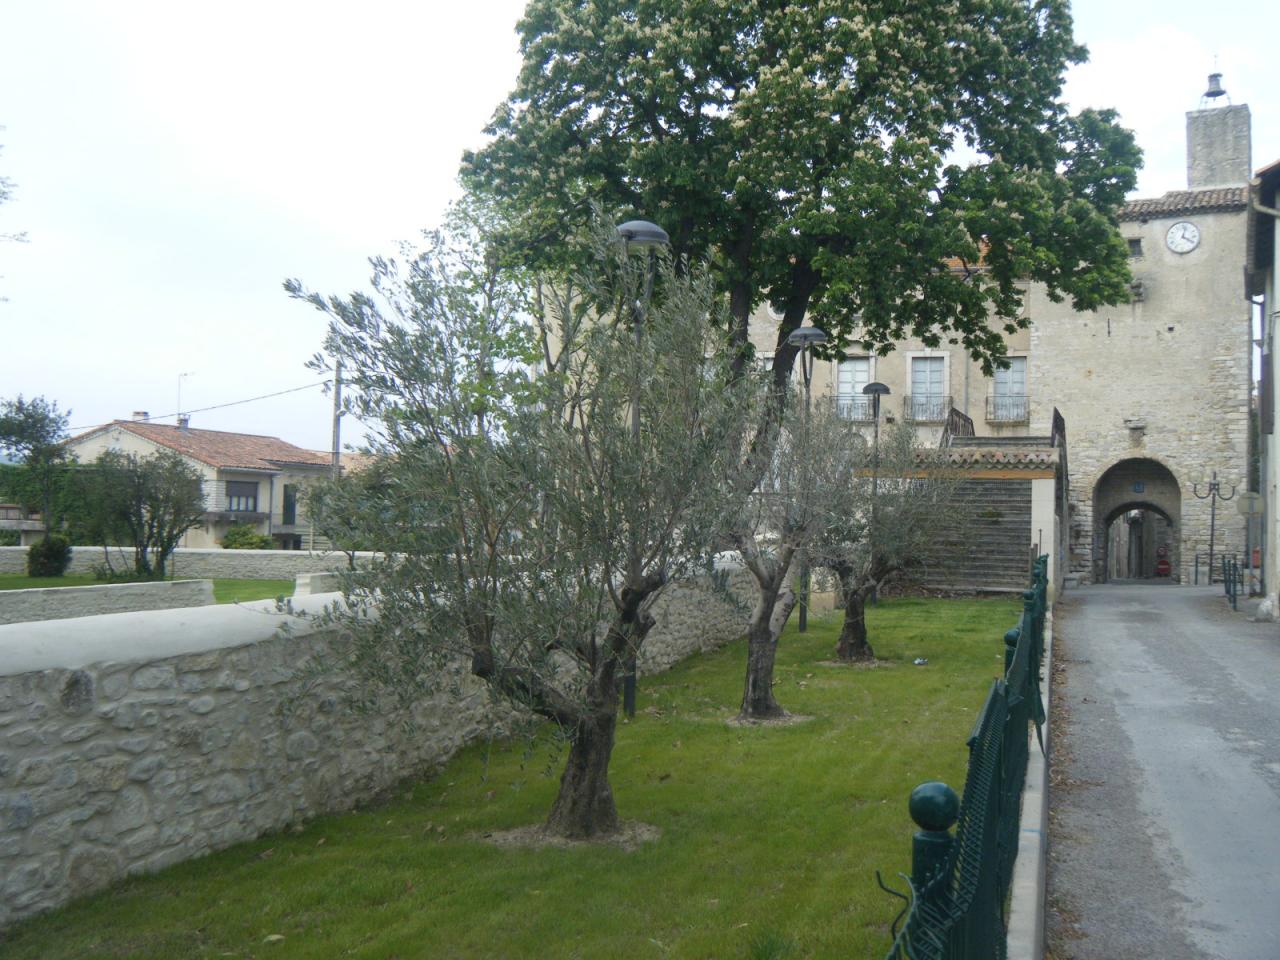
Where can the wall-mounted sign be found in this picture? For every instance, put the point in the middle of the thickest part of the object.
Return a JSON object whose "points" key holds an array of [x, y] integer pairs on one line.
{"points": [[1139, 486]]}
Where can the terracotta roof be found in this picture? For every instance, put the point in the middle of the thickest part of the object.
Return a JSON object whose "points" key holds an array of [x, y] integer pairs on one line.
{"points": [[996, 458], [218, 448], [1176, 202]]}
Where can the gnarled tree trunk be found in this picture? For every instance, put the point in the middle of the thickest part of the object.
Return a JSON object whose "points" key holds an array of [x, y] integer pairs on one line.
{"points": [[853, 644], [770, 614], [584, 807], [855, 588]]}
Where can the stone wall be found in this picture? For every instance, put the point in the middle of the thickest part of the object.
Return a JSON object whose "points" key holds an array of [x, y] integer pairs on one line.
{"points": [[134, 741], [62, 603], [211, 563], [696, 616]]}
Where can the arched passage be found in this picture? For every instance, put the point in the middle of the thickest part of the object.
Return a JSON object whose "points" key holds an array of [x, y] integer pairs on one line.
{"points": [[1144, 495]]}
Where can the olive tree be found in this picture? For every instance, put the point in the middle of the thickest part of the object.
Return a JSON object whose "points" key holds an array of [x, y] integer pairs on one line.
{"points": [[807, 472], [550, 453], [903, 495]]}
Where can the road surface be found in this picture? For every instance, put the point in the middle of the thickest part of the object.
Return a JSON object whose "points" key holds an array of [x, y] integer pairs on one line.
{"points": [[1165, 794]]}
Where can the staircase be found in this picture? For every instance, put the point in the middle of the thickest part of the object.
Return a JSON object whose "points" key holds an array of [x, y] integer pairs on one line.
{"points": [[983, 543]]}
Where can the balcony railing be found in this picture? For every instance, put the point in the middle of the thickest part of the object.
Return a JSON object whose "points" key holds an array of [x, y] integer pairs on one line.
{"points": [[853, 408], [1009, 408], [927, 408]]}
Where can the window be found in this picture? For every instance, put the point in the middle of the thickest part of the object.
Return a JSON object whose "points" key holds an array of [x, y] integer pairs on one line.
{"points": [[290, 503], [1008, 401], [242, 496], [1135, 246], [852, 374], [928, 401]]}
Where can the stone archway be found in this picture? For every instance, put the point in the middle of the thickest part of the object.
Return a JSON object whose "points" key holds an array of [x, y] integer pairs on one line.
{"points": [[1141, 484]]}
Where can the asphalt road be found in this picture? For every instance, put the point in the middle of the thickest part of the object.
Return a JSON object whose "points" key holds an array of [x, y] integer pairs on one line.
{"points": [[1165, 793]]}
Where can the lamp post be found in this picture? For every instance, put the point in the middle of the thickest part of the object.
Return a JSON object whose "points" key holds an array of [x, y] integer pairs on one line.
{"points": [[1213, 495], [875, 390], [804, 338], [648, 237]]}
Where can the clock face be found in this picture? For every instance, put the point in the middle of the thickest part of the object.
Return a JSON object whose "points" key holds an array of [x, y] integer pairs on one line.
{"points": [[1183, 237]]}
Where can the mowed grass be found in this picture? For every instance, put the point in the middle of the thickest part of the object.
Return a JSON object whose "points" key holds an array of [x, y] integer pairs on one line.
{"points": [[224, 591], [242, 591], [770, 836]]}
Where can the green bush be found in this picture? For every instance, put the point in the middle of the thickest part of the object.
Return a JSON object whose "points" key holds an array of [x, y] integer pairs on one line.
{"points": [[10, 538], [49, 557], [244, 537]]}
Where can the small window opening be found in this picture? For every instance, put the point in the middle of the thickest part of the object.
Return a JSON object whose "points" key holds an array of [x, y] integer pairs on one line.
{"points": [[1135, 247]]}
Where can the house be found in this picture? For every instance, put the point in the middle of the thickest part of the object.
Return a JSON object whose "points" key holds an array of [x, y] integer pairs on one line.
{"points": [[246, 478], [1262, 277], [1154, 393]]}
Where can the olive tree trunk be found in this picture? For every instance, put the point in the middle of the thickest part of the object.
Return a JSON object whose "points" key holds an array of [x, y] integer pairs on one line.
{"points": [[584, 807], [853, 644], [767, 620]]}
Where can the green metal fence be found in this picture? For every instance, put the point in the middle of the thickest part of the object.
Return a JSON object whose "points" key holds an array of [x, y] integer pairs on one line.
{"points": [[959, 883]]}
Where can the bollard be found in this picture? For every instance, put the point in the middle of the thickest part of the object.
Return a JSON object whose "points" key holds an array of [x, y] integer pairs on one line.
{"points": [[935, 808]]}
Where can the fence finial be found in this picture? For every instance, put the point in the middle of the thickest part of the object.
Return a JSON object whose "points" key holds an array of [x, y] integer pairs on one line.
{"points": [[934, 807]]}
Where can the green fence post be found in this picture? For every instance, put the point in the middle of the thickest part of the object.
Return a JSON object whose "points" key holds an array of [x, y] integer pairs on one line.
{"points": [[1010, 646], [934, 807]]}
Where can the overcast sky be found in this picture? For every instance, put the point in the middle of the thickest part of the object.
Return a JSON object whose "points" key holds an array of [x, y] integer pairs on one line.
{"points": [[175, 162]]}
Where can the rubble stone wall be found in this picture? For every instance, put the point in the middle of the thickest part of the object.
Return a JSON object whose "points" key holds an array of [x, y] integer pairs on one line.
{"points": [[133, 741]]}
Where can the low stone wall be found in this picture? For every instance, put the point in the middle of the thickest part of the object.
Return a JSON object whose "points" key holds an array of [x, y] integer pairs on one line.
{"points": [[134, 741], [211, 563], [62, 603]]}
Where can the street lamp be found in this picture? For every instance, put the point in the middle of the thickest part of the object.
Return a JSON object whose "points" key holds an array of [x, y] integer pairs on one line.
{"points": [[646, 236], [804, 338], [1213, 495], [875, 390]]}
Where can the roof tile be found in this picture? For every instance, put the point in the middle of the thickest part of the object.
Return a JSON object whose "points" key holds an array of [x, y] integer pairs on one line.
{"points": [[221, 449], [1175, 202]]}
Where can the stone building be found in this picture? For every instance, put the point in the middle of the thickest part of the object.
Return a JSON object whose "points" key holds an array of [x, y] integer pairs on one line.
{"points": [[1154, 393]]}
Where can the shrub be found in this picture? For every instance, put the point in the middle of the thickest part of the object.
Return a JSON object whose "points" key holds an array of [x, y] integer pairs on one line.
{"points": [[244, 537], [49, 557], [10, 538]]}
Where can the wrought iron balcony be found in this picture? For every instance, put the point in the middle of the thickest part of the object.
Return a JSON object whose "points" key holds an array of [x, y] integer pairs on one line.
{"points": [[1008, 408], [925, 408], [853, 408]]}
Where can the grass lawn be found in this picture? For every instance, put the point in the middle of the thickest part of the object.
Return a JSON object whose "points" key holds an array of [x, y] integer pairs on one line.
{"points": [[242, 591], [770, 836], [224, 591]]}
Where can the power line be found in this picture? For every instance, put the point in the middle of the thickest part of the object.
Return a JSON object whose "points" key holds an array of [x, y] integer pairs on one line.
{"points": [[219, 406]]}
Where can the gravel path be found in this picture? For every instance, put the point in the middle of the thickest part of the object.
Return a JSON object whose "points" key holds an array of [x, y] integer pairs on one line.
{"points": [[1165, 793]]}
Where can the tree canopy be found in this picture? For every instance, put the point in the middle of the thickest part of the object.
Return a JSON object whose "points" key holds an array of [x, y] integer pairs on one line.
{"points": [[33, 431], [145, 502], [888, 169]]}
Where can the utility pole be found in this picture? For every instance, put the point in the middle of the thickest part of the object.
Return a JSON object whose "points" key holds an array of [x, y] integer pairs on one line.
{"points": [[337, 419]]}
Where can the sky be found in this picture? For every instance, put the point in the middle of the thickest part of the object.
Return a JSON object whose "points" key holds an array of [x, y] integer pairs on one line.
{"points": [[174, 163]]}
